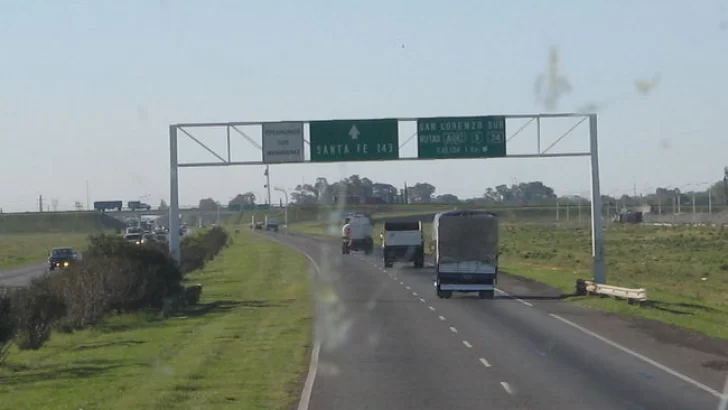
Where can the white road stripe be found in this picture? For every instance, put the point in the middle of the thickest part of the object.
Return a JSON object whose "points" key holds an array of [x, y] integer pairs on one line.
{"points": [[431, 308], [467, 344], [452, 329], [641, 357], [408, 288], [422, 300], [485, 362], [442, 317], [507, 387], [414, 293], [529, 304]]}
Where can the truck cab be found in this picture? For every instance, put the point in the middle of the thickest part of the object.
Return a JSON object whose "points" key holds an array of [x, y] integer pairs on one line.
{"points": [[466, 252], [403, 242]]}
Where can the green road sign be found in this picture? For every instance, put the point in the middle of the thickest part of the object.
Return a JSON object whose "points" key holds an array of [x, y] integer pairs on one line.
{"points": [[354, 140], [461, 137]]}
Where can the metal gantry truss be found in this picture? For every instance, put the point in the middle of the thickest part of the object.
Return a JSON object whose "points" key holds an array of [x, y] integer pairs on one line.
{"points": [[226, 159]]}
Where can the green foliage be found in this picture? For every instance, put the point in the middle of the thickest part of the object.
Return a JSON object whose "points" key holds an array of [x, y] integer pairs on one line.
{"points": [[114, 276]]}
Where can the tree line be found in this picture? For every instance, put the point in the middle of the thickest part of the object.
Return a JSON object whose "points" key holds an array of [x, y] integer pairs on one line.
{"points": [[356, 189]]}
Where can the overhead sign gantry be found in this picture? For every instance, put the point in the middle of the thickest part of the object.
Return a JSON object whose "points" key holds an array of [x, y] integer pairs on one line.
{"points": [[354, 140]]}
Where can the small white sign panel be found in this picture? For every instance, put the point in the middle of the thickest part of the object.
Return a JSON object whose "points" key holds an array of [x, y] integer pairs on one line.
{"points": [[282, 142]]}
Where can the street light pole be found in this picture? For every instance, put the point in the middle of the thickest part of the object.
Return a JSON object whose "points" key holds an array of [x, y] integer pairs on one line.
{"points": [[285, 194]]}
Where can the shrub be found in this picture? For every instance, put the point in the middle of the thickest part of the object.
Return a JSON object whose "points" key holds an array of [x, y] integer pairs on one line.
{"points": [[198, 249], [7, 327], [116, 275], [34, 310]]}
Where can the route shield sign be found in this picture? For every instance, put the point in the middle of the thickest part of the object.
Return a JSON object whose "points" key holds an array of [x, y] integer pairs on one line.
{"points": [[282, 142], [354, 140], [461, 137]]}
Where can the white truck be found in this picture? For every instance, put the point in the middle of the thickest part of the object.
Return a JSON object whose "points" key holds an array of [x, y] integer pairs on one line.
{"points": [[465, 245], [359, 237], [403, 242], [271, 224]]}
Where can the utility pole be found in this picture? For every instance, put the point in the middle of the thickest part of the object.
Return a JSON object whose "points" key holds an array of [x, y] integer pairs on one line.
{"points": [[40, 203], [88, 202], [267, 181]]}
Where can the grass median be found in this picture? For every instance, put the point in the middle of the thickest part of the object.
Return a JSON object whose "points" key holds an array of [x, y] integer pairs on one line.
{"points": [[245, 346], [683, 268], [20, 249]]}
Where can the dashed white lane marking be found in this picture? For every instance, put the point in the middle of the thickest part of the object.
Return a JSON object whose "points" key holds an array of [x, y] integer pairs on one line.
{"points": [[485, 362], [452, 329], [641, 357], [401, 283], [529, 304], [442, 317], [467, 344], [407, 287], [507, 387], [414, 293], [431, 308], [395, 278], [422, 300]]}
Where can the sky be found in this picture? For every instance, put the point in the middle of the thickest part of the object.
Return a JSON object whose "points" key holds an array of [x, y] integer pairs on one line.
{"points": [[88, 91]]}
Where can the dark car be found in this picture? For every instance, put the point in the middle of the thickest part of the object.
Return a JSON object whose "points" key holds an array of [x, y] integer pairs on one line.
{"points": [[62, 258]]}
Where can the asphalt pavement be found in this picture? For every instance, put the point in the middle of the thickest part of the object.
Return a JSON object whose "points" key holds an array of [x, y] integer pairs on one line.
{"points": [[387, 342], [22, 275]]}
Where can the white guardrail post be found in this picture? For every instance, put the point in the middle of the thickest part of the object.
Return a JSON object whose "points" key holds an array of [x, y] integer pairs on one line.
{"points": [[587, 287]]}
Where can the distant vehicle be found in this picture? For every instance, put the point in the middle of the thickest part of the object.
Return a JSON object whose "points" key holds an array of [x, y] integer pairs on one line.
{"points": [[161, 237], [465, 245], [137, 205], [403, 242], [134, 230], [258, 226], [108, 205], [148, 238], [135, 238], [356, 235], [271, 224], [61, 258]]}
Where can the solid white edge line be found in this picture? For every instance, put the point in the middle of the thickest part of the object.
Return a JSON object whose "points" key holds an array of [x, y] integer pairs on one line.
{"points": [[507, 387], [485, 362], [307, 390], [723, 405], [641, 357], [504, 293], [467, 344]]}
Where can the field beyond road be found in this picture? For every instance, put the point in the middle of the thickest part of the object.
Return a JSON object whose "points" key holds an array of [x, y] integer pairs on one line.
{"points": [[684, 268], [245, 346], [19, 249]]}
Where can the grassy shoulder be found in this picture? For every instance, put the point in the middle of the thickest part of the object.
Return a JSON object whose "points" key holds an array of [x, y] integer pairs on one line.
{"points": [[684, 268], [245, 346], [20, 249]]}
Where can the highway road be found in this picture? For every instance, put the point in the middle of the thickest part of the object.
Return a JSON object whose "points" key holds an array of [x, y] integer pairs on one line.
{"points": [[385, 341], [21, 275]]}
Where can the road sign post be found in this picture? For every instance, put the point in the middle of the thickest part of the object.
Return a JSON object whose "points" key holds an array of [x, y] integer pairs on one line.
{"points": [[461, 137], [354, 140]]}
